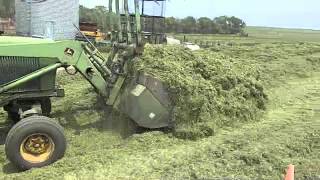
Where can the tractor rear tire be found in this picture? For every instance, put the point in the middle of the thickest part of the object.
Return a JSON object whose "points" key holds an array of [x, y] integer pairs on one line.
{"points": [[34, 142]]}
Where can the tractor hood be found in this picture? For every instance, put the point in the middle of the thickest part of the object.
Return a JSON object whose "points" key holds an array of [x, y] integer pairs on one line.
{"points": [[14, 40]]}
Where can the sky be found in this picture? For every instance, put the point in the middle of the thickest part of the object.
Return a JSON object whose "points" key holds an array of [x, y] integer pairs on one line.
{"points": [[271, 13]]}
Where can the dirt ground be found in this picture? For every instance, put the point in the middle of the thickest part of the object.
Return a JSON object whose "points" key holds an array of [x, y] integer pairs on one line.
{"points": [[288, 131]]}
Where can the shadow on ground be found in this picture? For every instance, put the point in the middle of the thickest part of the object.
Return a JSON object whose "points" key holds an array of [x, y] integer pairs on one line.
{"points": [[4, 129], [9, 168], [107, 119]]}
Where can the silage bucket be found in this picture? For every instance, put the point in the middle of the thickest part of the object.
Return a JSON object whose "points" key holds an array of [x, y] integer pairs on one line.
{"points": [[146, 101]]}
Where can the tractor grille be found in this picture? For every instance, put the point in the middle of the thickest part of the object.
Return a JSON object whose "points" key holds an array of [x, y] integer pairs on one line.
{"points": [[12, 68]]}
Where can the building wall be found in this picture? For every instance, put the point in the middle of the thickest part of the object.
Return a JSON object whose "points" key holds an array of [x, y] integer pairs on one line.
{"points": [[7, 25], [22, 18], [47, 18]]}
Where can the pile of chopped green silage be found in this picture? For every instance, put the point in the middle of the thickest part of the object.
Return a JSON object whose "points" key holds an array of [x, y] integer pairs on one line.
{"points": [[208, 90], [287, 133]]}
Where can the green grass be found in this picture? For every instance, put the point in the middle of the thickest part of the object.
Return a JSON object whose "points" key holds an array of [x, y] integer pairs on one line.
{"points": [[288, 131], [305, 35], [260, 35]]}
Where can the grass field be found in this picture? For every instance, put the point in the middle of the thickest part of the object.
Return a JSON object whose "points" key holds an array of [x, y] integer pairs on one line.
{"points": [[305, 35], [262, 35], [288, 131]]}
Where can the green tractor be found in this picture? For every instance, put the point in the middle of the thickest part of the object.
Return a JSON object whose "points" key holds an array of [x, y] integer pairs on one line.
{"points": [[28, 69]]}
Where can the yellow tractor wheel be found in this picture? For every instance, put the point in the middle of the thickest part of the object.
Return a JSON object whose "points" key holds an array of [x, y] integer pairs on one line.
{"points": [[35, 142]]}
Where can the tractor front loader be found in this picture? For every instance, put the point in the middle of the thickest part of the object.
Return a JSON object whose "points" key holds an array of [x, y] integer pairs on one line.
{"points": [[28, 69]]}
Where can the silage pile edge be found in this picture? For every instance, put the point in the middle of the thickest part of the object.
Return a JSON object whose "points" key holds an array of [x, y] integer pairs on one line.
{"points": [[208, 90]]}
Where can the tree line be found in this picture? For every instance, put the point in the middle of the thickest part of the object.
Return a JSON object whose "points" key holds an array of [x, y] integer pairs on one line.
{"points": [[205, 25]]}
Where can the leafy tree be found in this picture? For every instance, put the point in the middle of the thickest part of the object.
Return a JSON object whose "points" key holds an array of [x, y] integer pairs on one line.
{"points": [[229, 25], [172, 24], [205, 25], [236, 25], [223, 24], [189, 25], [7, 8]]}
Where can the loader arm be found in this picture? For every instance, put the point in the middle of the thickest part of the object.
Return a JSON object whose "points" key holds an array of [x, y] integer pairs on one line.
{"points": [[142, 97], [28, 69]]}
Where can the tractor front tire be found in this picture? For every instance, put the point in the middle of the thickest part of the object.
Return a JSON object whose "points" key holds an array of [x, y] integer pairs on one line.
{"points": [[34, 142]]}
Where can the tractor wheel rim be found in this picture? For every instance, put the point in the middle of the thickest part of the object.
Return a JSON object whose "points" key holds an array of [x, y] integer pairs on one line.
{"points": [[37, 148]]}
